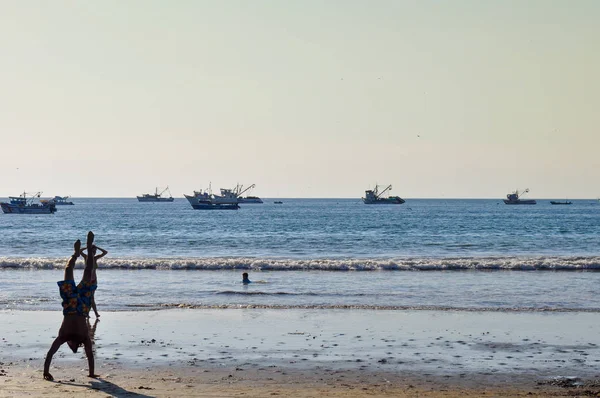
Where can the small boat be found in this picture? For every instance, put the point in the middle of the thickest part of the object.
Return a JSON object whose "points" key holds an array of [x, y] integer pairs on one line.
{"points": [[566, 202], [24, 205], [239, 191], [278, 202], [515, 198], [59, 201], [374, 197], [156, 196]]}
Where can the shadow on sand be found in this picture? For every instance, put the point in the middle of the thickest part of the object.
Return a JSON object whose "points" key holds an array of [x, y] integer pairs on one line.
{"points": [[109, 388]]}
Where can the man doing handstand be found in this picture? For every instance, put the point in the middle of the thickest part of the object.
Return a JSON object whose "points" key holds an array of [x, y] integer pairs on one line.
{"points": [[76, 306]]}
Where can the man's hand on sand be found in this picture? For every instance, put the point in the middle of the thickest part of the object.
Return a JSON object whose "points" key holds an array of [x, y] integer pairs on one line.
{"points": [[48, 376], [93, 376]]}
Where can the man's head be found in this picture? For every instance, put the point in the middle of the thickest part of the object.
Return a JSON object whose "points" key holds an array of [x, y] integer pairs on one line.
{"points": [[74, 345]]}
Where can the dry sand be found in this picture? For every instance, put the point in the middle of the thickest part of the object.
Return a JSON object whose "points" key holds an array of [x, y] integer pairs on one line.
{"points": [[242, 382]]}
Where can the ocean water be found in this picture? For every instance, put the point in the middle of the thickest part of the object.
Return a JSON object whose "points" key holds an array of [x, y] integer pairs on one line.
{"points": [[478, 254]]}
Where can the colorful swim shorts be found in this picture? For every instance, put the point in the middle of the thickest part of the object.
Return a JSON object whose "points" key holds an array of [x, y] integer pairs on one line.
{"points": [[77, 299]]}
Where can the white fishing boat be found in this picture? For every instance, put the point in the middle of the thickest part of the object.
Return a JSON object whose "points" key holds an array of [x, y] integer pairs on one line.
{"points": [[208, 201], [156, 196], [28, 205], [59, 201]]}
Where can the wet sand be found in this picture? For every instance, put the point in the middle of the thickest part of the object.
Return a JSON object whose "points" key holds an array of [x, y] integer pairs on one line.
{"points": [[309, 353]]}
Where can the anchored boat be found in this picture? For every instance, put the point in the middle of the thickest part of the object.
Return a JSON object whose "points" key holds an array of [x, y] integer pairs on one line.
{"points": [[59, 201], [156, 197], [23, 205], [566, 202], [515, 198], [374, 197], [239, 191], [207, 201]]}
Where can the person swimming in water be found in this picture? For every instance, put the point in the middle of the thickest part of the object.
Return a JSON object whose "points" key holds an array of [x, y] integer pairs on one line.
{"points": [[245, 279], [94, 277], [76, 306]]}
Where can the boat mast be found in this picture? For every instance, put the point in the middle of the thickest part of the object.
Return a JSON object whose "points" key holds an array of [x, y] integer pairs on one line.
{"points": [[388, 188], [163, 191], [242, 192]]}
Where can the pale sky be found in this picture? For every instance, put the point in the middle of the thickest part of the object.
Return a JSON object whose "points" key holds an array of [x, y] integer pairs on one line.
{"points": [[453, 99]]}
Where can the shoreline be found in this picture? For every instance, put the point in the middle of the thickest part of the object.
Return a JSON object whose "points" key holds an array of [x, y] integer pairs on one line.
{"points": [[308, 353]]}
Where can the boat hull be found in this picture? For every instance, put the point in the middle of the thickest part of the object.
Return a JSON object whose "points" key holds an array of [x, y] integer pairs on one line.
{"points": [[560, 203], [250, 200], [215, 206], [142, 199], [520, 202], [9, 208], [386, 201]]}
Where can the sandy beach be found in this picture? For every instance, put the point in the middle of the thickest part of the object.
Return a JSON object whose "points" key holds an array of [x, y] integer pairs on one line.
{"points": [[305, 353]]}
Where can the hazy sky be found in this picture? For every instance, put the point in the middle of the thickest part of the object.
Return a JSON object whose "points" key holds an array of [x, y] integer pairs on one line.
{"points": [[304, 98]]}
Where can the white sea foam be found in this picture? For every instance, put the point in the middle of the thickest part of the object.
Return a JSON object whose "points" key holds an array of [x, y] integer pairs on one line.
{"points": [[549, 263]]}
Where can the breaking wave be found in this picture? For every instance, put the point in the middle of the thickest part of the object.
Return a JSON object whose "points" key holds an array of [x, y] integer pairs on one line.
{"points": [[512, 263]]}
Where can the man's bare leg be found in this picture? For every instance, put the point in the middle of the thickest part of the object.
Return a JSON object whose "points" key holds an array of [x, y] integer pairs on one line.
{"points": [[72, 260]]}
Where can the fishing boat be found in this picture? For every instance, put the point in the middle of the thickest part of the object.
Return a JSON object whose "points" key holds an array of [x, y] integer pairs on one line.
{"points": [[208, 201], [374, 197], [515, 198], [278, 202], [59, 201], [566, 202], [156, 196], [27, 205], [239, 191]]}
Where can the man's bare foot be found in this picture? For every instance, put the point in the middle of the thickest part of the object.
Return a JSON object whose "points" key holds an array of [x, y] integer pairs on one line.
{"points": [[77, 248], [48, 376], [90, 240]]}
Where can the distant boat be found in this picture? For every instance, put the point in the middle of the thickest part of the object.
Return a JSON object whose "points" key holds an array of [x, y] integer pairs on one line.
{"points": [[24, 205], [239, 191], [59, 201], [566, 202], [250, 199], [515, 198], [278, 202], [374, 197], [207, 201], [156, 197]]}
